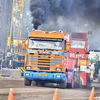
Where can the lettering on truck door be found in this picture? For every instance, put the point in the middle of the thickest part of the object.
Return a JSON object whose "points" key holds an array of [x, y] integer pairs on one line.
{"points": [[73, 55]]}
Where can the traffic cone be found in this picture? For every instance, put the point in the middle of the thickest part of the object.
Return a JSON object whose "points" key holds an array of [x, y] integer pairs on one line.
{"points": [[10, 97], [92, 94], [56, 95]]}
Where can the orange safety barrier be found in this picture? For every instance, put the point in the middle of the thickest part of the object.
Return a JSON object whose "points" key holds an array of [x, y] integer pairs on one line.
{"points": [[10, 97], [56, 95], [92, 94]]}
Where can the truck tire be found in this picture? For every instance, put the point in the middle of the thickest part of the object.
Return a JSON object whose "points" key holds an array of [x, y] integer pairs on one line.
{"points": [[41, 83], [88, 83], [77, 80], [63, 85], [35, 83], [71, 85], [99, 78], [80, 83], [27, 82]]}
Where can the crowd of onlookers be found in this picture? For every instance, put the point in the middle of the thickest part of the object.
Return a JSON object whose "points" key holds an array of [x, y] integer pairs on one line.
{"points": [[10, 61], [4, 61]]}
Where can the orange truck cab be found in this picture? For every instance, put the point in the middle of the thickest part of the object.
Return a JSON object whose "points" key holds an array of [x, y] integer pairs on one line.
{"points": [[46, 58]]}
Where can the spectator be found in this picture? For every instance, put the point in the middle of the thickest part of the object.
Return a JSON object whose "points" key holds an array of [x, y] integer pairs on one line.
{"points": [[92, 70], [6, 62]]}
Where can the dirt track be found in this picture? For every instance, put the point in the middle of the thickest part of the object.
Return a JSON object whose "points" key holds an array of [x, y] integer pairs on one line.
{"points": [[32, 92]]}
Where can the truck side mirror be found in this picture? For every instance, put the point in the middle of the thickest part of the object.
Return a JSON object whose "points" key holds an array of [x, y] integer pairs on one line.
{"points": [[67, 47], [23, 41], [23, 44]]}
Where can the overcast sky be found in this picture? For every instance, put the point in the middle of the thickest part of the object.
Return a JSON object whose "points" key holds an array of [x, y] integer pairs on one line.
{"points": [[74, 15]]}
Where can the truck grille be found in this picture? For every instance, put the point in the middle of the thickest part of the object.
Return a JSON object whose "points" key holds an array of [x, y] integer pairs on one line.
{"points": [[43, 62], [44, 68]]}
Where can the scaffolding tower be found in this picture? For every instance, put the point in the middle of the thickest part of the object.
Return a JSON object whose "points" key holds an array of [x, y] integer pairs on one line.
{"points": [[17, 17]]}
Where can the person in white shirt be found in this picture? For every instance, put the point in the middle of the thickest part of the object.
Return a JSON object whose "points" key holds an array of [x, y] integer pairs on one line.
{"points": [[91, 66], [92, 70], [79, 45]]}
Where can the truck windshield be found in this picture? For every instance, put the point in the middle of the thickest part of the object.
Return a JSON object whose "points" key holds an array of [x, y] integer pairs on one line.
{"points": [[77, 44], [45, 43]]}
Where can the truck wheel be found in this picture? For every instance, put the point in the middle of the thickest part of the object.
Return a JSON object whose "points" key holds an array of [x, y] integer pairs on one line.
{"points": [[63, 85], [99, 78], [80, 83], [88, 85], [77, 80], [27, 82], [35, 83], [71, 85], [41, 83]]}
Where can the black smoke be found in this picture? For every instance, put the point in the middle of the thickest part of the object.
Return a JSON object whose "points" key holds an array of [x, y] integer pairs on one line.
{"points": [[41, 10], [75, 15]]}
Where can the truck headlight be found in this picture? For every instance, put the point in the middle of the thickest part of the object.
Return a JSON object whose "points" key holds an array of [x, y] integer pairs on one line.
{"points": [[58, 76], [27, 74], [28, 67], [58, 69]]}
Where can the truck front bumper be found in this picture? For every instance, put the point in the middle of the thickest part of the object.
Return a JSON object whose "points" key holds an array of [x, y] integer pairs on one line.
{"points": [[47, 76]]}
